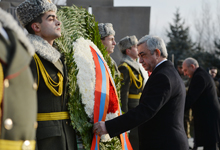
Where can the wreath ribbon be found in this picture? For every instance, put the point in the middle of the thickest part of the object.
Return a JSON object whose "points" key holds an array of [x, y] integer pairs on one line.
{"points": [[103, 77]]}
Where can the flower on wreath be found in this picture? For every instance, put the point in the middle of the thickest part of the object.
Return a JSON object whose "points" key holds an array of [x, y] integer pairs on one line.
{"points": [[86, 80]]}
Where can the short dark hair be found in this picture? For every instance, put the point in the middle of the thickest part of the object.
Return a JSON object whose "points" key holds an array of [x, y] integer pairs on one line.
{"points": [[103, 38], [28, 26], [213, 67], [124, 51]]}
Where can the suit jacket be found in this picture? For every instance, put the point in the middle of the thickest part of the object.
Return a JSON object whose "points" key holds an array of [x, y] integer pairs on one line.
{"points": [[54, 134], [203, 100], [19, 103], [159, 114]]}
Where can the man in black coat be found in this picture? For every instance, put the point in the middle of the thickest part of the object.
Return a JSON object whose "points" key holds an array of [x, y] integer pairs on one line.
{"points": [[160, 112], [203, 100]]}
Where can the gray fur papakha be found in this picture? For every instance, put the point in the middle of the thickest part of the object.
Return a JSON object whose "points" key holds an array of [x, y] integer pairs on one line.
{"points": [[31, 9], [106, 29], [127, 42]]}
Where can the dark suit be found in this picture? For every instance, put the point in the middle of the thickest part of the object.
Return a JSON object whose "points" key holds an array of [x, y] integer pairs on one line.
{"points": [[159, 114], [202, 98]]}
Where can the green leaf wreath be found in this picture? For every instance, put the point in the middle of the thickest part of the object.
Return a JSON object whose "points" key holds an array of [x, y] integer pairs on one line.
{"points": [[76, 23]]}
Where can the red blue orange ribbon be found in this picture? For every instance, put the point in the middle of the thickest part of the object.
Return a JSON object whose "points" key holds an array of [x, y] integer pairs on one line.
{"points": [[103, 77]]}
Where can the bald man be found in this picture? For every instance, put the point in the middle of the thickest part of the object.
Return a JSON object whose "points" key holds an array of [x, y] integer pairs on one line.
{"points": [[203, 100]]}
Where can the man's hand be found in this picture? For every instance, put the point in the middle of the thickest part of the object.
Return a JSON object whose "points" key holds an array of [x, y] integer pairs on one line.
{"points": [[99, 128]]}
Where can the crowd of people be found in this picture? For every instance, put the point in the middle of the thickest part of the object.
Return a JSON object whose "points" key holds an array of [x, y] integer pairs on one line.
{"points": [[156, 113]]}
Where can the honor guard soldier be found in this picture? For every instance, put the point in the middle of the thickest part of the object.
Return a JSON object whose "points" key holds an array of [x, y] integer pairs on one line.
{"points": [[18, 96], [107, 34], [132, 83], [54, 131]]}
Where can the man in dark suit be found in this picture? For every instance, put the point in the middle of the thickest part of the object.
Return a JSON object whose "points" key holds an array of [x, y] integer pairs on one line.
{"points": [[203, 100], [160, 112]]}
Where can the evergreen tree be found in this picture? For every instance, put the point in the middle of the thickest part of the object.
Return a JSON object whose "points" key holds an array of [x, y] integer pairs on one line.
{"points": [[180, 44], [207, 59]]}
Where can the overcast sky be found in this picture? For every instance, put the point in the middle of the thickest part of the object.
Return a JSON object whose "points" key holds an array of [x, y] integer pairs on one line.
{"points": [[162, 11]]}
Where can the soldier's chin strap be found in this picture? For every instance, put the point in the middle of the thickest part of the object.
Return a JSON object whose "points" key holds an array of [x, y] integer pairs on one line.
{"points": [[1, 91]]}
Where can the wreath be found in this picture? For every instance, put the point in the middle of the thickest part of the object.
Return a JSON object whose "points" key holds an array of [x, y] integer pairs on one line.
{"points": [[79, 30]]}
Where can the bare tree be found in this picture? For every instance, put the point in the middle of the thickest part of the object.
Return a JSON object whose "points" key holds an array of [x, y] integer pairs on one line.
{"points": [[217, 21], [206, 28]]}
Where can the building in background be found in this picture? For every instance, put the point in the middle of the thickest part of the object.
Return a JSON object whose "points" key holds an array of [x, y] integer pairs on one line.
{"points": [[10, 5], [125, 20]]}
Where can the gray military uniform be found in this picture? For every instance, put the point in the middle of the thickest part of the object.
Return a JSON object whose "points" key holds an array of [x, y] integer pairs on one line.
{"points": [[19, 99]]}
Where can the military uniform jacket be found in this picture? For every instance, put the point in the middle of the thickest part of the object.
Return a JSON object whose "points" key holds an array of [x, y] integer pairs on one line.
{"points": [[55, 134], [128, 87], [19, 103], [203, 100]]}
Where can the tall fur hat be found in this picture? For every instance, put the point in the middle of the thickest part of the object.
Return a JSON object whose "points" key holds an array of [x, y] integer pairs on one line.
{"points": [[30, 9], [127, 42], [106, 29]]}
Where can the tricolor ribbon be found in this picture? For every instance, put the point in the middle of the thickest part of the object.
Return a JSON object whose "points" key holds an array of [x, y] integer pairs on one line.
{"points": [[103, 77]]}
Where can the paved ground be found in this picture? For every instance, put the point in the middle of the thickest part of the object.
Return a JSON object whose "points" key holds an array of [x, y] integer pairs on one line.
{"points": [[191, 144]]}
